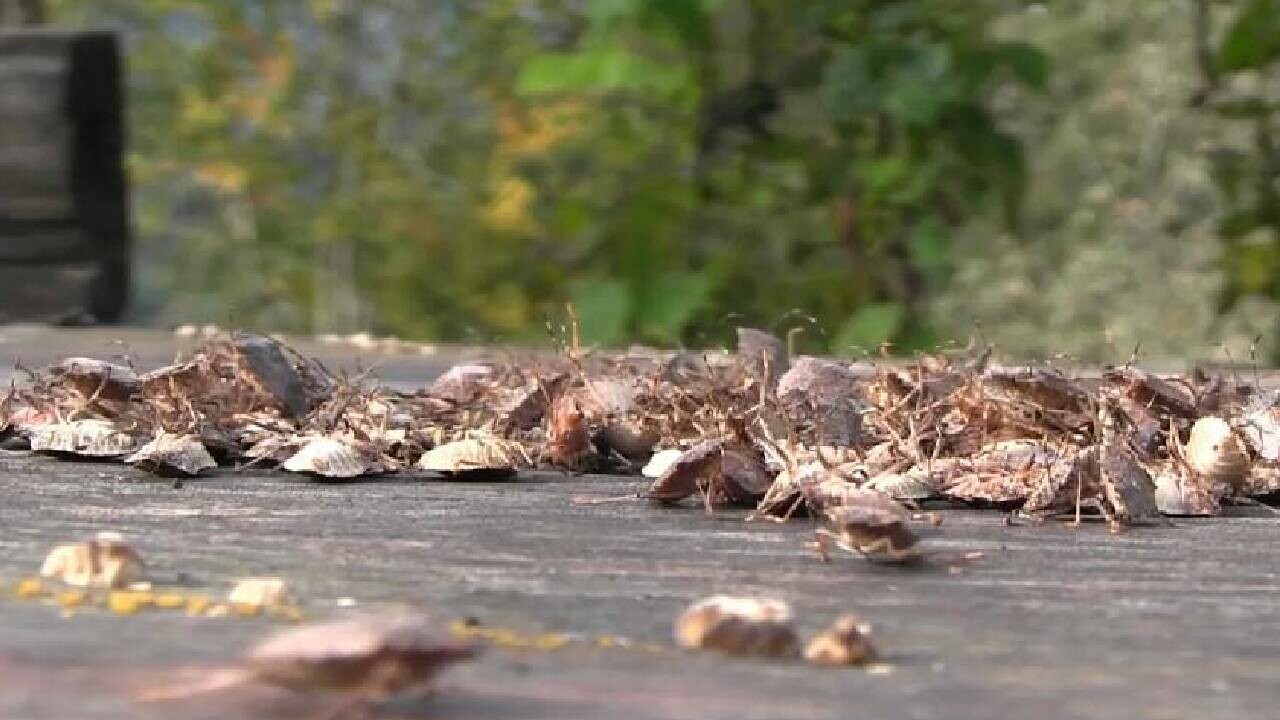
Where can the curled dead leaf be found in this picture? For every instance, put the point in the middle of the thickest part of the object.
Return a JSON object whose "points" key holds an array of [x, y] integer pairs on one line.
{"points": [[567, 436]]}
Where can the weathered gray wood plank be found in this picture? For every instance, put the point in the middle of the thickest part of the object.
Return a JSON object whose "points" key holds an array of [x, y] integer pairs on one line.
{"points": [[1160, 623]]}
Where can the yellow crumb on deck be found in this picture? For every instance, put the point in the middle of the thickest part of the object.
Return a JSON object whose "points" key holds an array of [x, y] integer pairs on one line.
{"points": [[29, 588]]}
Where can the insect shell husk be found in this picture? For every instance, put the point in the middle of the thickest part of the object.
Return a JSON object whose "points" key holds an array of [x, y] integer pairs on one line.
{"points": [[86, 438], [474, 455], [106, 561], [1181, 493], [329, 458], [1216, 452], [377, 654], [844, 643], [170, 454], [259, 592], [757, 627]]}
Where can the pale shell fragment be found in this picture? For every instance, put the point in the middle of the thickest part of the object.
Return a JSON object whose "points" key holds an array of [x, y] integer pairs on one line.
{"points": [[259, 592], [97, 378], [474, 454], [173, 454], [911, 485], [738, 626], [106, 561], [464, 383], [331, 458], [88, 438], [661, 462], [1262, 430], [1180, 493], [1216, 452]]}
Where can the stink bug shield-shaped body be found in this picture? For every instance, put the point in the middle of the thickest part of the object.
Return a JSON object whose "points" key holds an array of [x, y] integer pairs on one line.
{"points": [[877, 534]]}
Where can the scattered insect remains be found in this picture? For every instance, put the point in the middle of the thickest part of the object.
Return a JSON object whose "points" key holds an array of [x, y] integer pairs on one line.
{"points": [[879, 535], [846, 642], [857, 446]]}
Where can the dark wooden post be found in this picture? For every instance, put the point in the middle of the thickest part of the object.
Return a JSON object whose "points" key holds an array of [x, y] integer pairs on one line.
{"points": [[63, 221]]}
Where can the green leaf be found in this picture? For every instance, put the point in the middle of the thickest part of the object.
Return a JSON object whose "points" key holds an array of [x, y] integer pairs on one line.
{"points": [[1250, 265], [918, 89], [882, 174], [1253, 40], [870, 326], [670, 301], [1025, 62], [604, 309], [848, 85], [598, 70], [930, 249], [1238, 224], [687, 19]]}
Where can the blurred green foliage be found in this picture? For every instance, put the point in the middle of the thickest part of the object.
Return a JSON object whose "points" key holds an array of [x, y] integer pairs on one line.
{"points": [[1073, 176], [672, 167], [1240, 71]]}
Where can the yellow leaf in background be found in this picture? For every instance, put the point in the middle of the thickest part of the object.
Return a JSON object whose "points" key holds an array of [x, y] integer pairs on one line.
{"points": [[198, 113], [29, 588], [225, 176], [509, 209], [537, 130], [505, 308], [322, 9]]}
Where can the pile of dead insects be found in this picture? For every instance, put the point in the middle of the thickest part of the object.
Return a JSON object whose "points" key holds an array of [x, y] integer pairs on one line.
{"points": [[851, 442]]}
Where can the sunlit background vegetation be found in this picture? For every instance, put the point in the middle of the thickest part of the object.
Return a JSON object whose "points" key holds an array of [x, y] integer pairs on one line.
{"points": [[1062, 177]]}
